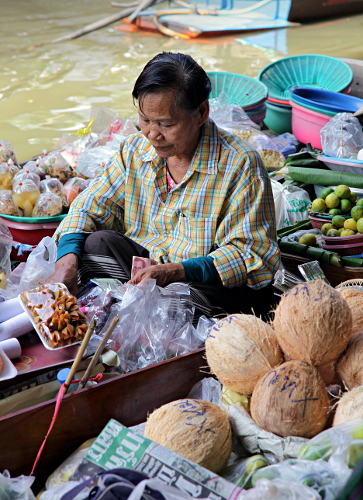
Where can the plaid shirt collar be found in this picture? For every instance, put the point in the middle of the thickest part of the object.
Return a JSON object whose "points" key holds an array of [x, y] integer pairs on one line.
{"points": [[206, 156]]}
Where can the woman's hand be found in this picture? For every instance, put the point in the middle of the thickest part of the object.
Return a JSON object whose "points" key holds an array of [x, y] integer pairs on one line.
{"points": [[66, 269], [162, 273]]}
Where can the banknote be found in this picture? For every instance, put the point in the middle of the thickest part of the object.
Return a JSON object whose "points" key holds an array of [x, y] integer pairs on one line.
{"points": [[139, 263]]}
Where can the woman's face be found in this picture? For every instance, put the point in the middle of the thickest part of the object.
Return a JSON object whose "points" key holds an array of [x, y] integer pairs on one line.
{"points": [[172, 131]]}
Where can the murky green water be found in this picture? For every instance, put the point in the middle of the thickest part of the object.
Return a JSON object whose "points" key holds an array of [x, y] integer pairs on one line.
{"points": [[47, 91]]}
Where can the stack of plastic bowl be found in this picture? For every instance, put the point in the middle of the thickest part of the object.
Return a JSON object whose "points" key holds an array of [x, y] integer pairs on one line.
{"points": [[243, 90], [312, 108], [307, 70]]}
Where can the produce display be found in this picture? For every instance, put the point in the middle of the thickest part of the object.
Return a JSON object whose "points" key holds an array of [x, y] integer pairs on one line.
{"points": [[354, 298], [240, 349], [350, 407], [196, 429]]}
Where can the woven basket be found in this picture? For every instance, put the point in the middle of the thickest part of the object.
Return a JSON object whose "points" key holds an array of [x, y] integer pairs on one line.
{"points": [[358, 283]]}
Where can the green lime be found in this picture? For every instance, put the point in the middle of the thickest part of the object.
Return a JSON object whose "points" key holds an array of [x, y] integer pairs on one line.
{"points": [[343, 192], [335, 211], [318, 205], [308, 239], [360, 225], [341, 230], [350, 224], [353, 197], [345, 205], [324, 192], [325, 228], [356, 212], [338, 221], [347, 232], [332, 233], [360, 202], [332, 200]]}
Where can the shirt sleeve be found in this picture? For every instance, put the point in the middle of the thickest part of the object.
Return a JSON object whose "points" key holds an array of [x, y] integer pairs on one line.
{"points": [[71, 243], [246, 247], [201, 269], [100, 206]]}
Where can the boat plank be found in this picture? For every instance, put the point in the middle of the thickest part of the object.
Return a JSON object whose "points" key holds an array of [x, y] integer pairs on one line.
{"points": [[127, 398]]}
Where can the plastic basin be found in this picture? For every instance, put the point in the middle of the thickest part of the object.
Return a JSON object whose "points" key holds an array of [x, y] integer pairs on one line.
{"points": [[344, 240], [278, 118], [306, 124], [326, 100], [314, 108], [351, 249], [30, 234]]}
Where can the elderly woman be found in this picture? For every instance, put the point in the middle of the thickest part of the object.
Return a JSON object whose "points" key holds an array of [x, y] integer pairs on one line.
{"points": [[189, 196]]}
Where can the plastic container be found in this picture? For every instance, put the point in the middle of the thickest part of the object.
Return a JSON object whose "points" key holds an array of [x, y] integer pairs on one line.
{"points": [[318, 222], [30, 234], [243, 90], [351, 249], [62, 377], [314, 108], [344, 240], [342, 164], [306, 70], [306, 124], [278, 118], [326, 100]]}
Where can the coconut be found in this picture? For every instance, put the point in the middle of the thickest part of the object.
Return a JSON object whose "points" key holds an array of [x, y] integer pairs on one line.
{"points": [[354, 298], [350, 406], [313, 323], [291, 401], [350, 364], [196, 429], [327, 373], [240, 349]]}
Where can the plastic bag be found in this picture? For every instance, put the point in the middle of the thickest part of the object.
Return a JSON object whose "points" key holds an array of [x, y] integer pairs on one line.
{"points": [[279, 490], [240, 471], [294, 237], [7, 152], [208, 389], [17, 488], [33, 166], [155, 324], [40, 264], [6, 241], [229, 115], [342, 136], [49, 185], [92, 161], [7, 205], [25, 195], [291, 204], [47, 205], [7, 172], [26, 175], [256, 440], [73, 187], [325, 478]]}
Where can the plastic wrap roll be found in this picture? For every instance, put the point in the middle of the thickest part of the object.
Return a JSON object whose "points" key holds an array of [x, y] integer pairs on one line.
{"points": [[9, 309], [15, 327]]}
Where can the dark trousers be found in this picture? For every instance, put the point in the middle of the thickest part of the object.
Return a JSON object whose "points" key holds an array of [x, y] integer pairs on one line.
{"points": [[108, 254]]}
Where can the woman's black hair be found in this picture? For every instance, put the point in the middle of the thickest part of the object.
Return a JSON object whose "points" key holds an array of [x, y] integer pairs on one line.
{"points": [[170, 71]]}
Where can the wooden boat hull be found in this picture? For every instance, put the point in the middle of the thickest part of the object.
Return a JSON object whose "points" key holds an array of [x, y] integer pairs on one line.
{"points": [[127, 398]]}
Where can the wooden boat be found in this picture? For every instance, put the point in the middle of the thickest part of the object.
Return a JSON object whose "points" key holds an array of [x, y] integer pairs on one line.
{"points": [[216, 17], [83, 414]]}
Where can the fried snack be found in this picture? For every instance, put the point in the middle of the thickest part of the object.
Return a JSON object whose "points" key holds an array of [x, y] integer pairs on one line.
{"points": [[7, 172], [53, 186], [56, 314], [47, 205], [7, 205]]}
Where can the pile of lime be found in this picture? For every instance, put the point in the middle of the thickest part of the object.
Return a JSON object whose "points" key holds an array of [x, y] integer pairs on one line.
{"points": [[339, 202]]}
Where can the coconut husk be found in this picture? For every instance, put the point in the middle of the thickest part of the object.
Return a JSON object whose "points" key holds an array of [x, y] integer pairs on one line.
{"points": [[350, 364], [240, 349], [327, 373], [354, 297], [313, 323], [291, 401], [196, 429], [350, 406]]}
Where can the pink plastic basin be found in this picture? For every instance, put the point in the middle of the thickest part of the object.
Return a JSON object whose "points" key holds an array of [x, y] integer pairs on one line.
{"points": [[306, 124], [352, 249], [31, 234]]}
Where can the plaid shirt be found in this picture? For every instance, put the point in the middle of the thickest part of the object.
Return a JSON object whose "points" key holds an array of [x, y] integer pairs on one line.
{"points": [[223, 208]]}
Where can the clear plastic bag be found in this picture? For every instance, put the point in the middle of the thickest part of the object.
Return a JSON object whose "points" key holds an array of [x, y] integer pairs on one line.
{"points": [[227, 115], [92, 161], [322, 476], [155, 324], [48, 205], [16, 488], [49, 185], [7, 172], [241, 470], [25, 194], [33, 166], [294, 237], [73, 187], [6, 241], [40, 264], [342, 136], [7, 152], [26, 175], [279, 489], [7, 205], [208, 389], [291, 204]]}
